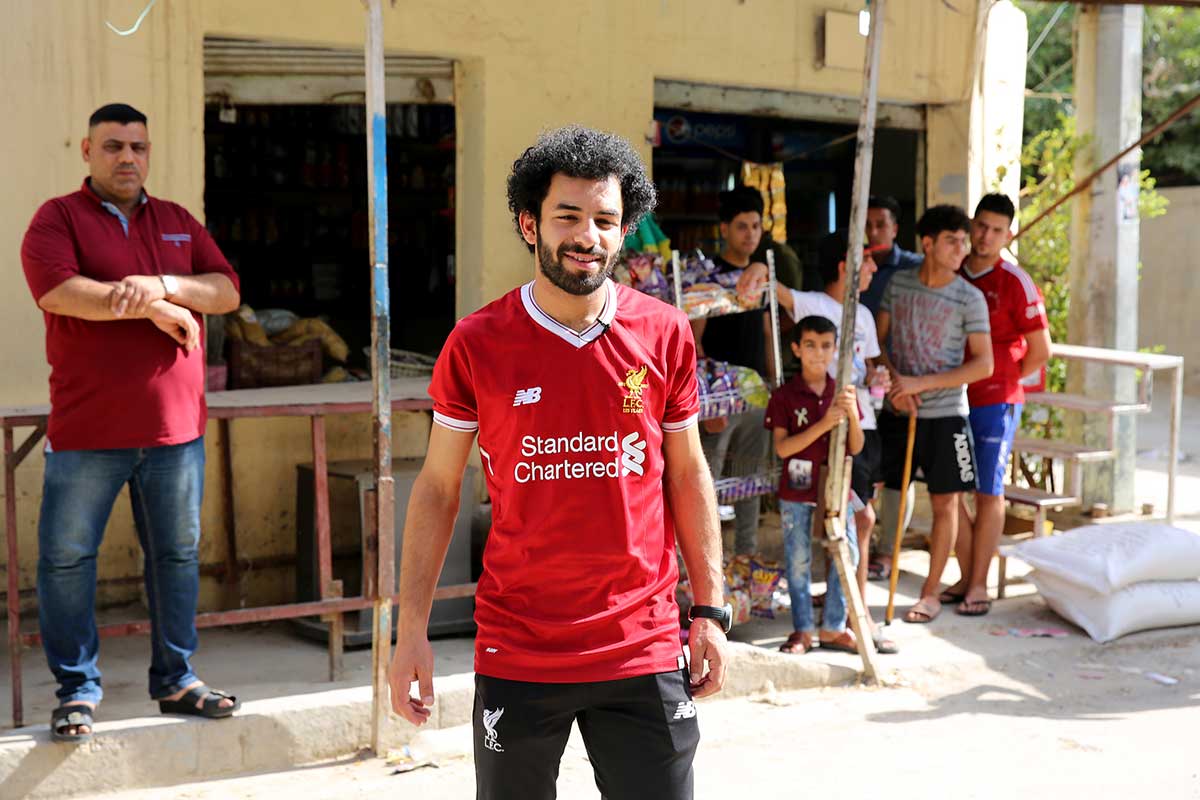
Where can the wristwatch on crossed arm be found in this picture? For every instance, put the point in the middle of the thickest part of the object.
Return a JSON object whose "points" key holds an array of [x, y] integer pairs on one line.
{"points": [[722, 614], [170, 285]]}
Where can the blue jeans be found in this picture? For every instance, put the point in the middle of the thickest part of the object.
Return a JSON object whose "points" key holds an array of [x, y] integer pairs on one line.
{"points": [[797, 521], [166, 485]]}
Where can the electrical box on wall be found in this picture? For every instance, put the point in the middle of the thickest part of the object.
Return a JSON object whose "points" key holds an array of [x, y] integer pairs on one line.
{"points": [[845, 43]]}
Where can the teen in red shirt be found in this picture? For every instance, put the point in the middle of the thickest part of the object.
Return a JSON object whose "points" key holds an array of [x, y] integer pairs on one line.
{"points": [[584, 399], [1020, 347]]}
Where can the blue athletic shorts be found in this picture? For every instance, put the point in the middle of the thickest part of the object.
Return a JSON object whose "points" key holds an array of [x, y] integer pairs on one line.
{"points": [[993, 428]]}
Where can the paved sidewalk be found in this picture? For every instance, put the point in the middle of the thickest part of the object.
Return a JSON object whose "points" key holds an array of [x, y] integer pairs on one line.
{"points": [[293, 715]]}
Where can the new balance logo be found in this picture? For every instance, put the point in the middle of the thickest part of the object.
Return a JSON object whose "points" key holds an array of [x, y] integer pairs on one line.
{"points": [[633, 454], [490, 739], [527, 397], [491, 651], [686, 710]]}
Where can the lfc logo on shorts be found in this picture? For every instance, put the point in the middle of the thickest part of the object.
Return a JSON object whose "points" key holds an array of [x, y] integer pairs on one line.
{"points": [[634, 384]]}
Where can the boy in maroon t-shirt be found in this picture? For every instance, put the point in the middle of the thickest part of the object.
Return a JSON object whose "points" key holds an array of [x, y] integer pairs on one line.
{"points": [[800, 416]]}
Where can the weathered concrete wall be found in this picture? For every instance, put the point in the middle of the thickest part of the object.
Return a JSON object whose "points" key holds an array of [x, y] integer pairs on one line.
{"points": [[1169, 290]]}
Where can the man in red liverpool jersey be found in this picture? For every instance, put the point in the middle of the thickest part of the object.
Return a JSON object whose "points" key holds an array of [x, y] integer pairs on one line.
{"points": [[583, 396], [1020, 347]]}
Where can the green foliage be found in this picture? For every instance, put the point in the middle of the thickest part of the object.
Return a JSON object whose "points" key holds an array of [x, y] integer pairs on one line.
{"points": [[1171, 75], [1048, 167]]}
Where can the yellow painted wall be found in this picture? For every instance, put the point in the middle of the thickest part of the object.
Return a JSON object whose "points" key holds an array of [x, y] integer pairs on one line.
{"points": [[524, 65]]}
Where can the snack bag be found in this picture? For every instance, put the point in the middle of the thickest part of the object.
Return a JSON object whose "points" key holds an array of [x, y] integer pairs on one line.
{"points": [[764, 578], [737, 573]]}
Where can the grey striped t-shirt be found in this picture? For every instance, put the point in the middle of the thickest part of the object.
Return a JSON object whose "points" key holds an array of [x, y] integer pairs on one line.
{"points": [[928, 334]]}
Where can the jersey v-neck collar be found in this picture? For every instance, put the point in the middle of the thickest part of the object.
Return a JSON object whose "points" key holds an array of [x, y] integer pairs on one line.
{"points": [[575, 338], [977, 275]]}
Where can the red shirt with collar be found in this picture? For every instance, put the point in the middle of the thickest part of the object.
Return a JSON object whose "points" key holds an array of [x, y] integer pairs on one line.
{"points": [[124, 383], [579, 571], [795, 407], [1015, 308]]}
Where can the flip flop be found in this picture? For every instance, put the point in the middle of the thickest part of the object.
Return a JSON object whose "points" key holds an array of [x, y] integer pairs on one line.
{"points": [[795, 644], [877, 571], [950, 598], [839, 647], [922, 608], [983, 607], [72, 716], [884, 645], [210, 703]]}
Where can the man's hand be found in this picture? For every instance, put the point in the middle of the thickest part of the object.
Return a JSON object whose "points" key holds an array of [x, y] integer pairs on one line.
{"points": [[906, 405], [131, 296], [752, 280], [906, 386], [706, 643], [412, 661], [175, 321]]}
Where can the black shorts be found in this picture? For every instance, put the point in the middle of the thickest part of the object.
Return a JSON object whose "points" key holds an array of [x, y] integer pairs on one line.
{"points": [[943, 453], [868, 469], [640, 733]]}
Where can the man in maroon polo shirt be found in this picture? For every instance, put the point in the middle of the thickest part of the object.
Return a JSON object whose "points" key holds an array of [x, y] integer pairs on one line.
{"points": [[123, 279]]}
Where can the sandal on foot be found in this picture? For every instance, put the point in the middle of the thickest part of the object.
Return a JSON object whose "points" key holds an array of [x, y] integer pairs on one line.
{"points": [[923, 612], [72, 716], [841, 645], [973, 608], [795, 644], [210, 709], [950, 597], [878, 571], [884, 645]]}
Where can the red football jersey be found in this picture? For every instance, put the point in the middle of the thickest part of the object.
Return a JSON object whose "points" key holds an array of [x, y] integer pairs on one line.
{"points": [[1015, 308], [579, 571]]}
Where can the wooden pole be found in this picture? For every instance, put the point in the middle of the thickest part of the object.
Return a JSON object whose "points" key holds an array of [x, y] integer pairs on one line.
{"points": [[905, 479], [858, 613], [385, 490], [838, 485]]}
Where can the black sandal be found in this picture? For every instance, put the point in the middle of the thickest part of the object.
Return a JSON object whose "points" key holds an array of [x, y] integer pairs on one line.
{"points": [[210, 709], [75, 716]]}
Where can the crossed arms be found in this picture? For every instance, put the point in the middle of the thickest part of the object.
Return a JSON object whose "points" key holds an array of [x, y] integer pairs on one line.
{"points": [[144, 297]]}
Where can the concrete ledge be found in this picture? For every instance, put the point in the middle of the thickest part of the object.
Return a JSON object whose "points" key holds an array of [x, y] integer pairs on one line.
{"points": [[284, 732]]}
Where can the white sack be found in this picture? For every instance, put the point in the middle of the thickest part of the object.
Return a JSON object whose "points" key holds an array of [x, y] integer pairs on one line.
{"points": [[1142, 606], [1105, 558]]}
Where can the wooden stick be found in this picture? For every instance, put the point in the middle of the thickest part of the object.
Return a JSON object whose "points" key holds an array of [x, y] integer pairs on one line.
{"points": [[836, 535], [903, 508]]}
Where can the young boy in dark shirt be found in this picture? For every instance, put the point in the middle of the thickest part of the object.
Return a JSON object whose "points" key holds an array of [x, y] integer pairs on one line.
{"points": [[800, 416]]}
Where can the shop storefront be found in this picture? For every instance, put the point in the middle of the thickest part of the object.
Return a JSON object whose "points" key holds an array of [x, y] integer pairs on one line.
{"points": [[254, 117], [285, 197], [703, 148]]}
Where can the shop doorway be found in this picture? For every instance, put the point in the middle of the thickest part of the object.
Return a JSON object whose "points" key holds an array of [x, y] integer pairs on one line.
{"points": [[286, 189], [698, 154]]}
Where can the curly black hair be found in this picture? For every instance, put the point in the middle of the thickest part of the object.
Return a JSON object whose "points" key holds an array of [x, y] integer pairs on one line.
{"points": [[942, 218], [579, 152]]}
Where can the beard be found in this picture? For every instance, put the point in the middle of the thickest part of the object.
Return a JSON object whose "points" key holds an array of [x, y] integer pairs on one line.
{"points": [[579, 284]]}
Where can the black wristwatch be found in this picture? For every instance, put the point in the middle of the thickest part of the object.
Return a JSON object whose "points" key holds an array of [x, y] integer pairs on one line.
{"points": [[722, 614]]}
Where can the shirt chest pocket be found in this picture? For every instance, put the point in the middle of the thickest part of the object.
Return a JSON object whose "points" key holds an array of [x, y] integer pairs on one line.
{"points": [[173, 252]]}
